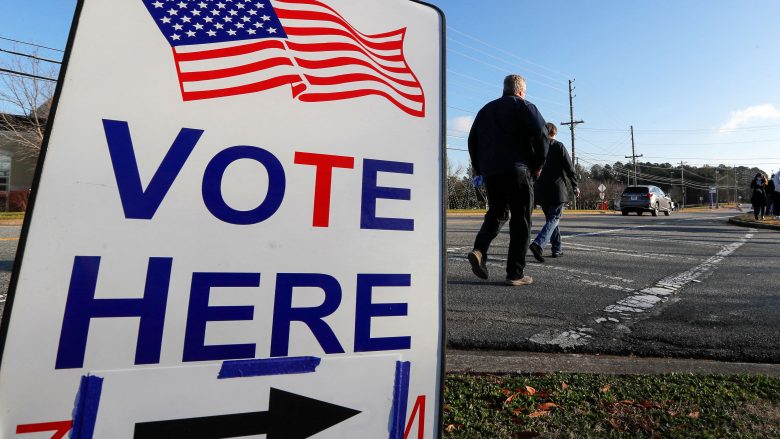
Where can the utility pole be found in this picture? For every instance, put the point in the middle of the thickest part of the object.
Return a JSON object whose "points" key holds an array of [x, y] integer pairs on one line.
{"points": [[736, 201], [572, 123], [717, 190], [682, 182], [633, 155]]}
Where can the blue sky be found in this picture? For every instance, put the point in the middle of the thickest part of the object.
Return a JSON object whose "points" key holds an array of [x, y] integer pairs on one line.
{"points": [[699, 80]]}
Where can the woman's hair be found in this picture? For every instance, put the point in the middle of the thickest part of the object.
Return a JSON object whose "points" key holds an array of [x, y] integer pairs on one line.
{"points": [[552, 130]]}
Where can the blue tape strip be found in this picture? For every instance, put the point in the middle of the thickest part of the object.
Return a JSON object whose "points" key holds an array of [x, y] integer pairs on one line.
{"points": [[86, 407], [266, 367], [400, 399]]}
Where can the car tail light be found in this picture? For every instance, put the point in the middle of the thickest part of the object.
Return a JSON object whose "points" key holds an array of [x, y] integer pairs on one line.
{"points": [[650, 195]]}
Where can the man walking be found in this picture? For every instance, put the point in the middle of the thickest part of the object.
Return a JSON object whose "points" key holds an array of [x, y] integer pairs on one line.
{"points": [[507, 145], [551, 193]]}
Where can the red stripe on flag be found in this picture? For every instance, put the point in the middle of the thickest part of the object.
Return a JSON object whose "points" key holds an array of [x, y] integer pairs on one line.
{"points": [[358, 77], [230, 51], [316, 31], [340, 47], [235, 71], [324, 6], [345, 61], [242, 89], [324, 97], [286, 14]]}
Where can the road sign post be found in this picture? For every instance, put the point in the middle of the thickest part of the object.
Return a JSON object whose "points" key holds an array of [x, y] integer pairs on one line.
{"points": [[235, 189]]}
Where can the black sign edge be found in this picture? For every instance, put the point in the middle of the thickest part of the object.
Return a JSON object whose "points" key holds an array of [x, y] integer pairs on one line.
{"points": [[439, 416]]}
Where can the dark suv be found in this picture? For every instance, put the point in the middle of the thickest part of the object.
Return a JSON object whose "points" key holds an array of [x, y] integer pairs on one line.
{"points": [[641, 199]]}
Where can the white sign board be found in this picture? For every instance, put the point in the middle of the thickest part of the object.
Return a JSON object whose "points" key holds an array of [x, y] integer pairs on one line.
{"points": [[240, 210], [602, 188], [713, 190]]}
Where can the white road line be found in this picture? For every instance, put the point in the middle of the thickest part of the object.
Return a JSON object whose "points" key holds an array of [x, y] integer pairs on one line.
{"points": [[570, 273], [674, 240], [605, 232], [626, 253], [641, 301]]}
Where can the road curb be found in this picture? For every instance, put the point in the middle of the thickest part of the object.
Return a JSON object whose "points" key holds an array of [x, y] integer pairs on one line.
{"points": [[755, 225], [509, 362]]}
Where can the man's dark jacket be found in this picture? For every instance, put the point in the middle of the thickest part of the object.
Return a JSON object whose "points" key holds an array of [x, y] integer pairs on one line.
{"points": [[506, 132], [550, 189]]}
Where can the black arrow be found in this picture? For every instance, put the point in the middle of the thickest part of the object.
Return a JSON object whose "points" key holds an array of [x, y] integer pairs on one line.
{"points": [[289, 416]]}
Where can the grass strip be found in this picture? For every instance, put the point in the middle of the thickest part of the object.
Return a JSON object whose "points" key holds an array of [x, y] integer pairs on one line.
{"points": [[565, 405]]}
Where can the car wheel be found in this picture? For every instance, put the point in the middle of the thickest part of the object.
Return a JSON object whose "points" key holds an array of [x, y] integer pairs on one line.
{"points": [[624, 212], [639, 212], [654, 212], [666, 212]]}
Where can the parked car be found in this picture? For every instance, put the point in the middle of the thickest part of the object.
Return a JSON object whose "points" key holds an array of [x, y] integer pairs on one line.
{"points": [[642, 199]]}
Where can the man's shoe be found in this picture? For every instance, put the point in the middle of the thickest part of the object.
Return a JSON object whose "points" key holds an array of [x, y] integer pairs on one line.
{"points": [[525, 280], [557, 255], [537, 251], [478, 265]]}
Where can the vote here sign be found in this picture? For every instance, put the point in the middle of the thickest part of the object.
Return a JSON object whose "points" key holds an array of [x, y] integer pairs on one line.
{"points": [[235, 194]]}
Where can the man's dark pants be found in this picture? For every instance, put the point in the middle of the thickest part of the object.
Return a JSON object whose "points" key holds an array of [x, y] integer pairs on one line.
{"points": [[513, 189]]}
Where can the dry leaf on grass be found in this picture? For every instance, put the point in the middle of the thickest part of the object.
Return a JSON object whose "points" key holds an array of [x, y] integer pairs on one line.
{"points": [[538, 414], [647, 404], [564, 386], [693, 415], [452, 427], [527, 391], [511, 397], [547, 406], [606, 388]]}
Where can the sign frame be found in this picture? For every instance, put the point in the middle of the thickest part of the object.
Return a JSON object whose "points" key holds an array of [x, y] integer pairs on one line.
{"points": [[6, 314]]}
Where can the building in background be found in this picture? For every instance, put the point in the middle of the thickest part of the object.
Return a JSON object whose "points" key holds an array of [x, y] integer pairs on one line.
{"points": [[17, 164]]}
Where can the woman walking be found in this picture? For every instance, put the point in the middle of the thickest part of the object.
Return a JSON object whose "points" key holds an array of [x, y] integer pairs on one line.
{"points": [[758, 198]]}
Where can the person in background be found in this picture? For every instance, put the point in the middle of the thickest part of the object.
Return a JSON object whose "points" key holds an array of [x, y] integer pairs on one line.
{"points": [[507, 146], [776, 195], [758, 197], [551, 193], [770, 195]]}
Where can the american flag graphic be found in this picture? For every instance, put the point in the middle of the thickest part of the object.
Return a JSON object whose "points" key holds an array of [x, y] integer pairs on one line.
{"points": [[231, 47]]}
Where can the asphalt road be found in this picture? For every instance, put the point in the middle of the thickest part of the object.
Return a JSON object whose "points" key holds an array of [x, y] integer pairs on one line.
{"points": [[688, 285]]}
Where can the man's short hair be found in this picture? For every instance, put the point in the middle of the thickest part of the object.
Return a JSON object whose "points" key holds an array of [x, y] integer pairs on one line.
{"points": [[552, 130], [514, 84]]}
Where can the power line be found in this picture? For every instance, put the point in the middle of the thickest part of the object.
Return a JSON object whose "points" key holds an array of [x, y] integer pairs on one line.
{"points": [[506, 52], [691, 130], [30, 56], [484, 53], [26, 75], [31, 44]]}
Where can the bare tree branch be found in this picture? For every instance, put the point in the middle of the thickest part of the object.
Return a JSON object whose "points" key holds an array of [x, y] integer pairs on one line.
{"points": [[25, 103]]}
